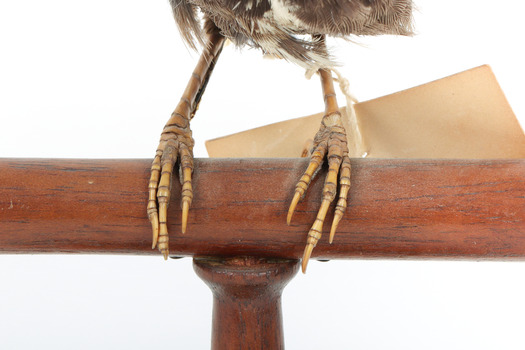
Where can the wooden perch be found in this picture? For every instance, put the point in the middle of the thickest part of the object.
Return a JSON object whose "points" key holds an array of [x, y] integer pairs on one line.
{"points": [[465, 209]]}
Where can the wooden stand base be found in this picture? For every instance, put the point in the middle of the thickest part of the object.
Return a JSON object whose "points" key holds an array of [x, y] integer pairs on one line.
{"points": [[246, 300]]}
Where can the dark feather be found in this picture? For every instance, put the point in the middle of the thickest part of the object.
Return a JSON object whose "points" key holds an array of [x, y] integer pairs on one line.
{"points": [[278, 27]]}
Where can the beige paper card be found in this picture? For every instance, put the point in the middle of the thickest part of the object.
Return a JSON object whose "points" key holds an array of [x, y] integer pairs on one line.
{"points": [[465, 115]]}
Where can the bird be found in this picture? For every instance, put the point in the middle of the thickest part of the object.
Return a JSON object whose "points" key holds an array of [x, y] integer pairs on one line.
{"points": [[296, 31]]}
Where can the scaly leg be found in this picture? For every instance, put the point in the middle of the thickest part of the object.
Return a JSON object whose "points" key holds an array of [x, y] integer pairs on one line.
{"points": [[176, 145], [331, 139]]}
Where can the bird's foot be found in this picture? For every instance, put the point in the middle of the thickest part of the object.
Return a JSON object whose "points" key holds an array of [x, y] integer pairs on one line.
{"points": [[330, 143], [175, 147]]}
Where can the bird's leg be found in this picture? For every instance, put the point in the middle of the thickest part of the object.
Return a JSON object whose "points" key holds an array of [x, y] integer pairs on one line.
{"points": [[330, 143], [176, 147]]}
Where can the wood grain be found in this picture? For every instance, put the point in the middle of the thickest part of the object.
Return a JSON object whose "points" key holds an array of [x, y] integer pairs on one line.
{"points": [[453, 209], [246, 300]]}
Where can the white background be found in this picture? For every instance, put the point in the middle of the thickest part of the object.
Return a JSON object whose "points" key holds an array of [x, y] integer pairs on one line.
{"points": [[99, 78]]}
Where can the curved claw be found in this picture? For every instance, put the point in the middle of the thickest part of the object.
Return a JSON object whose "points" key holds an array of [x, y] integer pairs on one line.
{"points": [[315, 161], [291, 210], [155, 228], [333, 229], [185, 211], [306, 256]]}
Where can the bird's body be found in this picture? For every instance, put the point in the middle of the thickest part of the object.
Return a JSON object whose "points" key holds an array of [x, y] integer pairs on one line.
{"points": [[289, 28]]}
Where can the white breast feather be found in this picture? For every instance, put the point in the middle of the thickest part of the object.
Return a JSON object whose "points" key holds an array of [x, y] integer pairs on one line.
{"points": [[284, 15]]}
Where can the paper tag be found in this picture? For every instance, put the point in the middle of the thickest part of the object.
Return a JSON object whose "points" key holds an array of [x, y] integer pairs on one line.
{"points": [[465, 115]]}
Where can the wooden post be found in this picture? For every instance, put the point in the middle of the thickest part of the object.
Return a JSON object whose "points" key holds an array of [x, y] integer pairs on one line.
{"points": [[246, 300], [398, 209]]}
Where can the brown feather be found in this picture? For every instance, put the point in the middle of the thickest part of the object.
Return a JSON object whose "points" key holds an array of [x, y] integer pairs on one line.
{"points": [[278, 27]]}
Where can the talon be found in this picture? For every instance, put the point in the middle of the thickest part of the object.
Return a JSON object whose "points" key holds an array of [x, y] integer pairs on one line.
{"points": [[155, 227], [306, 256], [337, 217], [154, 219], [185, 211], [315, 162], [291, 210]]}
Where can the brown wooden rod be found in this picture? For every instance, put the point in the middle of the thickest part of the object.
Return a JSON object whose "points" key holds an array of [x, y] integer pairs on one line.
{"points": [[459, 209]]}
